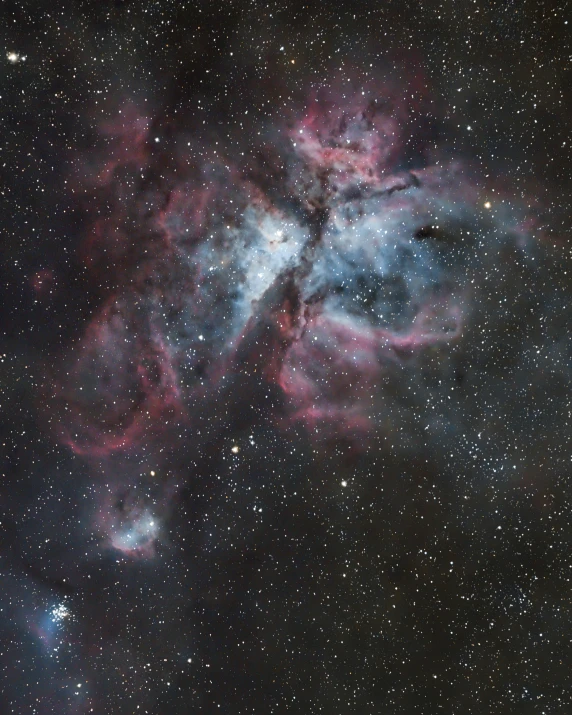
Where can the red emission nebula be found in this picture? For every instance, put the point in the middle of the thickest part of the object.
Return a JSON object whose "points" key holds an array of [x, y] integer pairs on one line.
{"points": [[336, 260]]}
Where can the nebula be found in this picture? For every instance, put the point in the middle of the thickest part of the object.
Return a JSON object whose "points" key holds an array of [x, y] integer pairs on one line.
{"points": [[286, 363], [358, 256], [342, 263]]}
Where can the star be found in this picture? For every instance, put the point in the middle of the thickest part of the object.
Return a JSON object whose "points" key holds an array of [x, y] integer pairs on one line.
{"points": [[15, 57]]}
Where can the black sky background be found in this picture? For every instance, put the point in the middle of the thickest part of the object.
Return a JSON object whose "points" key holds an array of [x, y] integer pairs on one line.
{"points": [[421, 588]]}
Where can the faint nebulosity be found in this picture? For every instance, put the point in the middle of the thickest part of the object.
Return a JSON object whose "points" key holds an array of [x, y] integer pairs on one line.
{"points": [[286, 359]]}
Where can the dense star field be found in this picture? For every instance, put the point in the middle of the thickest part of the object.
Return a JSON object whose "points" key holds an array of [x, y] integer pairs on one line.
{"points": [[286, 364]]}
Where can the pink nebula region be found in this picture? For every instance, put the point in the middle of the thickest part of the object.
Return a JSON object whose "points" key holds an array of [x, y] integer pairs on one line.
{"points": [[335, 259]]}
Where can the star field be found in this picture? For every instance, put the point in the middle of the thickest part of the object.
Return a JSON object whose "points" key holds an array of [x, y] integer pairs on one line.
{"points": [[285, 363]]}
